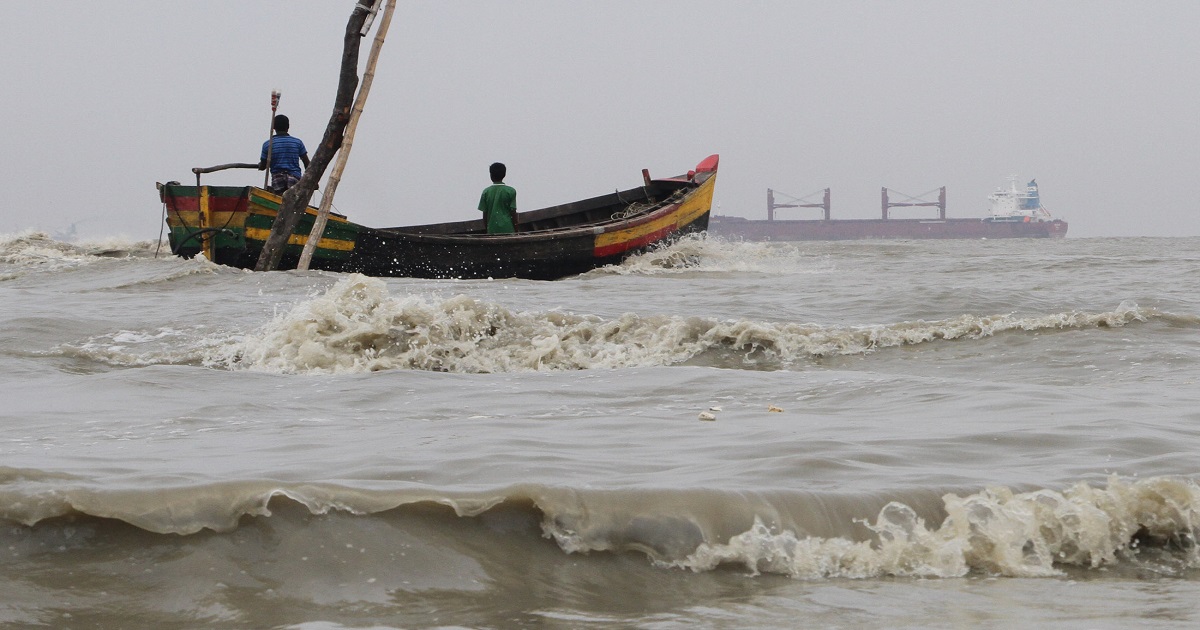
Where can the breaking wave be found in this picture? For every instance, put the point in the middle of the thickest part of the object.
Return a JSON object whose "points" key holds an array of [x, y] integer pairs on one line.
{"points": [[31, 250], [357, 326], [1150, 523], [713, 254], [994, 532]]}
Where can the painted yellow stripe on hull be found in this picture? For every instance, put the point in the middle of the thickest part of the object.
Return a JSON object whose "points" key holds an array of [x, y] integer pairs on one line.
{"points": [[278, 200], [695, 206], [260, 234]]}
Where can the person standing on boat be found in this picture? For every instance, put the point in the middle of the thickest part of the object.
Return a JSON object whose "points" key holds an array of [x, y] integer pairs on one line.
{"points": [[499, 203], [287, 152]]}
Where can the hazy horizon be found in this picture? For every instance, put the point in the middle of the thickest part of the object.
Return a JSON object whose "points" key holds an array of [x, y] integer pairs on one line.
{"points": [[1096, 100]]}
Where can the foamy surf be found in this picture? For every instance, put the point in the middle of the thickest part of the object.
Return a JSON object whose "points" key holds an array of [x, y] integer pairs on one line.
{"points": [[357, 326], [180, 495], [31, 250], [37, 249], [713, 254], [993, 532], [996, 531]]}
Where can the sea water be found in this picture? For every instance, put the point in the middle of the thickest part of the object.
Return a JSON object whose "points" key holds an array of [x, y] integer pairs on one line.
{"points": [[901, 434]]}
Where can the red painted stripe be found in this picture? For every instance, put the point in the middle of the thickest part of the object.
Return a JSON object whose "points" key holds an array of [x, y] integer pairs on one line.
{"points": [[624, 246], [215, 204]]}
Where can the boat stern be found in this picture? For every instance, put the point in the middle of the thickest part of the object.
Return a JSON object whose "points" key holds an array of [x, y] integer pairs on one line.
{"points": [[208, 220]]}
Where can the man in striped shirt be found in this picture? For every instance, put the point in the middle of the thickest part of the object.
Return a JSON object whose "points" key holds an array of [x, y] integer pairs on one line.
{"points": [[286, 154]]}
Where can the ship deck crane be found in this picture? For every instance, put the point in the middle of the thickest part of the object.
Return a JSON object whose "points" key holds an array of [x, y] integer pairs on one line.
{"points": [[917, 201], [796, 202]]}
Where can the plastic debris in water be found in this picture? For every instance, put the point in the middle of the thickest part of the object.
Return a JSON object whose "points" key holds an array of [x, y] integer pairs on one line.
{"points": [[774, 409]]}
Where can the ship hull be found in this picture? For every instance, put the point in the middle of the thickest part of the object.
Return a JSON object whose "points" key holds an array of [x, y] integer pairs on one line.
{"points": [[868, 229]]}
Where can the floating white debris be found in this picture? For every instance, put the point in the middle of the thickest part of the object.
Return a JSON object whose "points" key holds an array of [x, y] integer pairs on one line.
{"points": [[774, 409], [704, 415], [714, 408]]}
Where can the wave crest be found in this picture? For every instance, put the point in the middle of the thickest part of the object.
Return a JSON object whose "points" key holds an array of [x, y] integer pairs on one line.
{"points": [[1149, 523], [996, 532], [356, 326], [31, 250]]}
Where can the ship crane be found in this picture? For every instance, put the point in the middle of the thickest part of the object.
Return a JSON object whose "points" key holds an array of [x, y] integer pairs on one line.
{"points": [[917, 201], [796, 202]]}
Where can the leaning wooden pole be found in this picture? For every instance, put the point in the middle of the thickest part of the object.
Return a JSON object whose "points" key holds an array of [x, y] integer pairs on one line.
{"points": [[335, 177], [295, 200]]}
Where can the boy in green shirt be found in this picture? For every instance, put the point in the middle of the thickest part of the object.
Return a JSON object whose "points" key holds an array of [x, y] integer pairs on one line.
{"points": [[499, 203]]}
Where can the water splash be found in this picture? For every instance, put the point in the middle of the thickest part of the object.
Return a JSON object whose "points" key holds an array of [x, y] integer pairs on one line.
{"points": [[712, 254], [33, 250], [1151, 523], [995, 532], [356, 326]]}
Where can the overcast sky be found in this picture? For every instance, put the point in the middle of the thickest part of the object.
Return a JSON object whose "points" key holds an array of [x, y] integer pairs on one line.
{"points": [[1098, 100]]}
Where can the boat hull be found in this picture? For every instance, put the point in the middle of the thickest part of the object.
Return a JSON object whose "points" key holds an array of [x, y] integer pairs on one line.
{"points": [[228, 225], [552, 243], [867, 229]]}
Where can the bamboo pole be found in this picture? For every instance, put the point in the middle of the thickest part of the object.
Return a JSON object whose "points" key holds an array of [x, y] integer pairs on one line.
{"points": [[275, 94], [318, 228]]}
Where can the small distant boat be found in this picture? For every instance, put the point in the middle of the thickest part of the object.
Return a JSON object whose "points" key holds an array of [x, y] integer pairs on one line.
{"points": [[230, 224], [1014, 213]]}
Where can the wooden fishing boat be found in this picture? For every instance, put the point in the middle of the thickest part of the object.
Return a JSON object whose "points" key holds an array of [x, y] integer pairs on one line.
{"points": [[230, 224]]}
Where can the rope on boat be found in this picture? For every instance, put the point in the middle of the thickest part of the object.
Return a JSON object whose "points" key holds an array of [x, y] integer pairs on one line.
{"points": [[191, 232], [636, 208], [202, 232], [167, 193], [632, 210], [161, 228]]}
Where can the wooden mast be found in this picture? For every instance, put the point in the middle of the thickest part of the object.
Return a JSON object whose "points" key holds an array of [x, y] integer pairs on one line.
{"points": [[295, 200], [318, 228], [275, 94]]}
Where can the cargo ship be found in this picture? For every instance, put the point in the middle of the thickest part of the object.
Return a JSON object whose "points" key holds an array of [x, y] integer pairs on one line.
{"points": [[1014, 213]]}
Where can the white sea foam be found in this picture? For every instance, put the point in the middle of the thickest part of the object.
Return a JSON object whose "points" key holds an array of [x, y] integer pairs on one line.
{"points": [[140, 348], [1041, 533], [356, 326], [30, 248], [996, 532], [712, 254], [33, 249]]}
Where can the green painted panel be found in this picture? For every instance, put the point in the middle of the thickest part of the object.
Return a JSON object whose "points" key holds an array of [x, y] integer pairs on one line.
{"points": [[235, 240]]}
